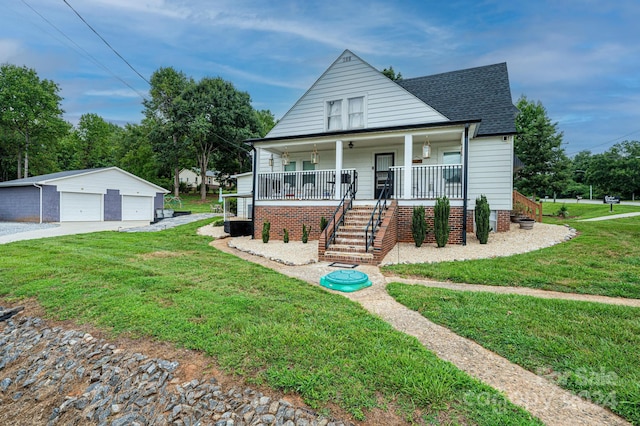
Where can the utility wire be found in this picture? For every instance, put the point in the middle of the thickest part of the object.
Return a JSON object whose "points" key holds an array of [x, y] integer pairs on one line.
{"points": [[95, 61], [609, 141], [107, 43]]}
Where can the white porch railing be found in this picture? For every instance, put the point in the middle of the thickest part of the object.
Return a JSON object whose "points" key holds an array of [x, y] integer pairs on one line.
{"points": [[429, 182], [302, 185]]}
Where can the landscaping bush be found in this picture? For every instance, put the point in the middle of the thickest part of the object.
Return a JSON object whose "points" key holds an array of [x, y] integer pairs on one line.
{"points": [[305, 233], [418, 225], [285, 237], [482, 213], [563, 212], [266, 228], [441, 221], [323, 223]]}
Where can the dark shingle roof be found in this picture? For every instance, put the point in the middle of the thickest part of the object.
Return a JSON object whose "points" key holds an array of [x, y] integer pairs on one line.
{"points": [[38, 179], [481, 92]]}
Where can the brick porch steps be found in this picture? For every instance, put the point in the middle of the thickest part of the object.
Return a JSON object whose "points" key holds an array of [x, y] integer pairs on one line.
{"points": [[349, 246]]}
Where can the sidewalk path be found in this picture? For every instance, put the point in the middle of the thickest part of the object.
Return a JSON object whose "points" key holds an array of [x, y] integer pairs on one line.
{"points": [[545, 400], [614, 216]]}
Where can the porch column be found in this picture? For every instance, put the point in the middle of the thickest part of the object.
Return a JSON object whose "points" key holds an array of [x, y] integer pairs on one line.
{"points": [[338, 177], [408, 156]]}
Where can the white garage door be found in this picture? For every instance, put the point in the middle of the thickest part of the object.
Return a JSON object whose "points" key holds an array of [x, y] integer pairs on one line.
{"points": [[137, 208], [76, 207]]}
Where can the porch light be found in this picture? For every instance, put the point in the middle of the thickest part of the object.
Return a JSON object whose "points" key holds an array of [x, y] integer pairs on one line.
{"points": [[271, 161], [350, 144], [285, 157], [314, 155], [426, 148]]}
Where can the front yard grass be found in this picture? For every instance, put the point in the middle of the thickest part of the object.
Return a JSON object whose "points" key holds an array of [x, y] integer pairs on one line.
{"points": [[604, 259], [254, 322], [588, 348]]}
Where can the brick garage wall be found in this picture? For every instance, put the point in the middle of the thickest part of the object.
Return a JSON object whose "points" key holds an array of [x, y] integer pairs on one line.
{"points": [[405, 214], [292, 218]]}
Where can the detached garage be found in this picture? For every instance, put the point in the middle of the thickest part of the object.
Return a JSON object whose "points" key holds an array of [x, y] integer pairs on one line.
{"points": [[93, 195]]}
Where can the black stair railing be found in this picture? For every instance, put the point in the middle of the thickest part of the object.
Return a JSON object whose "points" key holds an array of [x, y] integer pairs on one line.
{"points": [[378, 211], [345, 205]]}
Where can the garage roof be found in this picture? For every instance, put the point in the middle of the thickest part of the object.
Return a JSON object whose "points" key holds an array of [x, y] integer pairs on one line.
{"points": [[49, 178]]}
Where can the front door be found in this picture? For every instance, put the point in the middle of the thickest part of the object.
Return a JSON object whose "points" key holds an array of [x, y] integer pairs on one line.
{"points": [[383, 163]]}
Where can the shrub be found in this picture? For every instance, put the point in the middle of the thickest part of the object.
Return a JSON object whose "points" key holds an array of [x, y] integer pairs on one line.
{"points": [[441, 221], [305, 233], [418, 225], [563, 212], [266, 228], [323, 223], [482, 213], [285, 237]]}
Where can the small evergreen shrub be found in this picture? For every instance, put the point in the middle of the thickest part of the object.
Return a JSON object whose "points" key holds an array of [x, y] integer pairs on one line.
{"points": [[266, 228], [441, 221], [482, 213], [563, 212], [323, 223], [418, 225], [305, 233], [285, 237]]}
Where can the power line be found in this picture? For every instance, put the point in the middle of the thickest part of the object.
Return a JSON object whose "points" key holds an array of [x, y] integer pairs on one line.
{"points": [[95, 61], [107, 43], [609, 141]]}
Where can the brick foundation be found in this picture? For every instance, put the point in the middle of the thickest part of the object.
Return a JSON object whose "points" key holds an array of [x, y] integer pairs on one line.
{"points": [[292, 218], [398, 223]]}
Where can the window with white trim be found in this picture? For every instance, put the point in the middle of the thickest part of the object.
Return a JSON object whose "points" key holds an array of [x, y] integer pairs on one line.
{"points": [[356, 113], [334, 115], [346, 113]]}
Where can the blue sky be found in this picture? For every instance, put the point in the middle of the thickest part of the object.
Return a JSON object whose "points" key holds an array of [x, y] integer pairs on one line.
{"points": [[580, 58]]}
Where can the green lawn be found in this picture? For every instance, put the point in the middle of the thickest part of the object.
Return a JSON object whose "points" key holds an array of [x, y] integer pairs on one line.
{"points": [[591, 349], [604, 259], [252, 321], [192, 202]]}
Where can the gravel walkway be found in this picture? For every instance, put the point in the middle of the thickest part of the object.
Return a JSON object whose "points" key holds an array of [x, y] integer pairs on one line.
{"points": [[547, 401]]}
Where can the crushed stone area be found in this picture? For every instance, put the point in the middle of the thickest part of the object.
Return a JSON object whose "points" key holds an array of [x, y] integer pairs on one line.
{"points": [[59, 376], [10, 228], [517, 240]]}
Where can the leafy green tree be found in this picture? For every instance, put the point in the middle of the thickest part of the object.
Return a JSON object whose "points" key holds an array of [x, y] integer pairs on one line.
{"points": [[91, 144], [266, 121], [617, 171], [538, 145], [134, 153], [218, 118], [168, 133], [31, 108], [390, 72]]}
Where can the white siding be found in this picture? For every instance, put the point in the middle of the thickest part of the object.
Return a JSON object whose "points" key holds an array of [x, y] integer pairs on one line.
{"points": [[99, 182], [490, 172], [386, 103]]}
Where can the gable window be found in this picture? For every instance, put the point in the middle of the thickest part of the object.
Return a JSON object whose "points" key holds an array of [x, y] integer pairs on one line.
{"points": [[356, 113], [334, 115]]}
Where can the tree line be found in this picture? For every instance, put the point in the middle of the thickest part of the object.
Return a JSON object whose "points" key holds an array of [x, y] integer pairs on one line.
{"points": [[548, 172], [187, 123]]}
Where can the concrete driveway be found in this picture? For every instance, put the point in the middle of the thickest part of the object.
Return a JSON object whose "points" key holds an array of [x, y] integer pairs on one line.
{"points": [[26, 231]]}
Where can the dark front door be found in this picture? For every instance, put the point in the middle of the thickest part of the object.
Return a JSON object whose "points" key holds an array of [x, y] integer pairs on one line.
{"points": [[383, 163]]}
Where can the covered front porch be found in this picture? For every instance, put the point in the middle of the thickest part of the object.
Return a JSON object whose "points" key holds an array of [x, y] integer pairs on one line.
{"points": [[421, 163]]}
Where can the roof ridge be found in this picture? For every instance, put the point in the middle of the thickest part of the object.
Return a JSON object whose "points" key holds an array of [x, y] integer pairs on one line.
{"points": [[452, 72]]}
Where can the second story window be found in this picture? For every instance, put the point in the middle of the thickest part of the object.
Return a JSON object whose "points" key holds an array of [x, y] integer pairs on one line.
{"points": [[334, 115], [356, 113]]}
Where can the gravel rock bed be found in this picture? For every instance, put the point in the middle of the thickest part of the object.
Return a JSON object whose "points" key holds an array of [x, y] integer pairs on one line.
{"points": [[515, 241], [57, 376]]}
